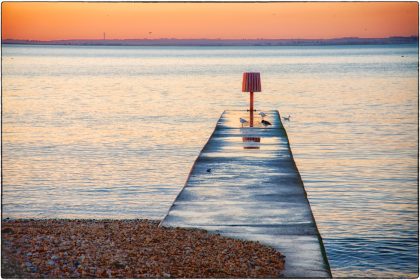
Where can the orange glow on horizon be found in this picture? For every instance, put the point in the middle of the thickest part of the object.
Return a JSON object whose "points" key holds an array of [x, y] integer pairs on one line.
{"points": [[287, 20]]}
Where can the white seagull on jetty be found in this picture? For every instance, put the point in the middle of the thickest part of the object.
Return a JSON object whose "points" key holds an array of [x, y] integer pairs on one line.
{"points": [[262, 114], [286, 118], [243, 121]]}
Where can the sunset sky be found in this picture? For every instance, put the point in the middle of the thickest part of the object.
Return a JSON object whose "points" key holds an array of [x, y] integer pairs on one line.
{"points": [[73, 20]]}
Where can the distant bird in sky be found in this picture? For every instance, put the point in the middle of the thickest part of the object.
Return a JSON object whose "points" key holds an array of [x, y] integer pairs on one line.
{"points": [[265, 123], [243, 121], [262, 114], [209, 170], [287, 118]]}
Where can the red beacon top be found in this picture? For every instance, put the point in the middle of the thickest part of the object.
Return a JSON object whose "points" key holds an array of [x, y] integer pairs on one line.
{"points": [[251, 82]]}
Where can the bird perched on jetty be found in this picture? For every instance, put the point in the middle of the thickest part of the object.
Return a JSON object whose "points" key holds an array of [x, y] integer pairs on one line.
{"points": [[262, 114], [243, 121], [287, 118], [265, 123]]}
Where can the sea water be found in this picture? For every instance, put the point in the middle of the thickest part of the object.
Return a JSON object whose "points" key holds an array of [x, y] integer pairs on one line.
{"points": [[112, 132]]}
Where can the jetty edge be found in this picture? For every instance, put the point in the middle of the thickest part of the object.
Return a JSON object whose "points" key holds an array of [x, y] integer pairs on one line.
{"points": [[245, 184]]}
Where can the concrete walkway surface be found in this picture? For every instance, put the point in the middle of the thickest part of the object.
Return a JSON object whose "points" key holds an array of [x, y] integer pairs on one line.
{"points": [[245, 184]]}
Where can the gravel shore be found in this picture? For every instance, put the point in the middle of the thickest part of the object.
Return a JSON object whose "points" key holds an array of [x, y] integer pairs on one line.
{"points": [[128, 249]]}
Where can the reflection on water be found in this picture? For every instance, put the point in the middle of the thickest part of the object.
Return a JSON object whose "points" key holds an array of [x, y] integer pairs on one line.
{"points": [[251, 142], [249, 139], [113, 132]]}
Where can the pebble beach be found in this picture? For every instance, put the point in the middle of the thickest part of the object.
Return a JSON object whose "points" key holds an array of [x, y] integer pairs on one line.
{"points": [[52, 248]]}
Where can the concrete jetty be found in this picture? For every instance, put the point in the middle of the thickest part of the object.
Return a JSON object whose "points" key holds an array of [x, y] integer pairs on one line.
{"points": [[245, 184]]}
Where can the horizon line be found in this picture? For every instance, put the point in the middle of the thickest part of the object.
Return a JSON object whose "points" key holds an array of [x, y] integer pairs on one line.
{"points": [[214, 39]]}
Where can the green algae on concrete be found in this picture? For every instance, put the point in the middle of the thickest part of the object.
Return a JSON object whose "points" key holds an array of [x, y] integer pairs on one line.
{"points": [[245, 184]]}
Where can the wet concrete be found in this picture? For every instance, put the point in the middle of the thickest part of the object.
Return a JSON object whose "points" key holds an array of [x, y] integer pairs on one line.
{"points": [[245, 184]]}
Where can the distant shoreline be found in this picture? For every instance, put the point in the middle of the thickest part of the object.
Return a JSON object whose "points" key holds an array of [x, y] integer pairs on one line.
{"points": [[220, 42]]}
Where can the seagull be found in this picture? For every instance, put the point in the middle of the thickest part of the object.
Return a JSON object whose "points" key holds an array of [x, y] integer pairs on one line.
{"points": [[265, 123], [262, 114], [286, 118], [243, 121]]}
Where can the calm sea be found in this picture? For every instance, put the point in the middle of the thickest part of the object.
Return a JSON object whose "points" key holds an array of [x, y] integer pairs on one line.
{"points": [[112, 132]]}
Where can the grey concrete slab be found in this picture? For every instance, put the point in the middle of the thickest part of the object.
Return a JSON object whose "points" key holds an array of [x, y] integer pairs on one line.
{"points": [[245, 184]]}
